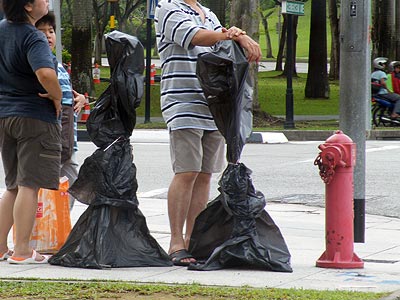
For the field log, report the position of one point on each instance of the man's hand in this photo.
(233, 32)
(252, 48)
(79, 101)
(56, 102)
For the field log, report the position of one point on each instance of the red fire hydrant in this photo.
(336, 163)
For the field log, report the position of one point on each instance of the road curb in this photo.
(291, 135)
(392, 296)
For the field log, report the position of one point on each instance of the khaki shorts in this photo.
(31, 152)
(196, 150)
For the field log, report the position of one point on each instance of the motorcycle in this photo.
(381, 112)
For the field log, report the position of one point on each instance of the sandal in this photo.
(6, 254)
(178, 256)
(30, 260)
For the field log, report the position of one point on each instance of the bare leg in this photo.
(24, 217)
(6, 217)
(179, 197)
(200, 197)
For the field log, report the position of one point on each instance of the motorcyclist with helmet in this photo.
(393, 82)
(379, 77)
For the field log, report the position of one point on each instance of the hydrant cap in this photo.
(339, 137)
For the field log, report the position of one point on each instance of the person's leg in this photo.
(8, 147)
(38, 165)
(6, 217)
(395, 98)
(186, 158)
(213, 161)
(179, 197)
(200, 197)
(70, 169)
(24, 217)
(396, 108)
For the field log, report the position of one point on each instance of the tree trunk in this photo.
(81, 50)
(317, 85)
(397, 28)
(335, 45)
(219, 8)
(383, 24)
(100, 12)
(245, 15)
(264, 20)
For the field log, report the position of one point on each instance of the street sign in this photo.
(151, 7)
(293, 7)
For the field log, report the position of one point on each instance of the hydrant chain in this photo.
(326, 171)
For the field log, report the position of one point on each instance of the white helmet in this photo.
(394, 64)
(380, 62)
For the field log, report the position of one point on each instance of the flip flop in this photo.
(6, 254)
(178, 256)
(29, 260)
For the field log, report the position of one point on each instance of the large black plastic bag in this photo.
(223, 76)
(112, 232)
(234, 230)
(114, 114)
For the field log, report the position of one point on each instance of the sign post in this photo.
(151, 7)
(290, 8)
(293, 7)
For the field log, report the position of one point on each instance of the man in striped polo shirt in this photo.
(184, 29)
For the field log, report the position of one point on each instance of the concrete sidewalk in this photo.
(303, 230)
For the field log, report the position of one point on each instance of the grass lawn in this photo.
(272, 95)
(52, 290)
(272, 98)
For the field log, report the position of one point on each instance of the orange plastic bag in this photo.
(53, 222)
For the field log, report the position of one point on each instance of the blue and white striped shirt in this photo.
(65, 83)
(183, 103)
(68, 97)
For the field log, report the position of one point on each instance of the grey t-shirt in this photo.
(23, 50)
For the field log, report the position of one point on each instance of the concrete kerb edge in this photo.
(393, 296)
(293, 135)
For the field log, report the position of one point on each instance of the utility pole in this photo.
(355, 94)
(54, 5)
(151, 7)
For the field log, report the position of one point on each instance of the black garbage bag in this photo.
(112, 232)
(114, 113)
(223, 75)
(234, 230)
(106, 236)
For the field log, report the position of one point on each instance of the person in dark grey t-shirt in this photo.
(30, 133)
